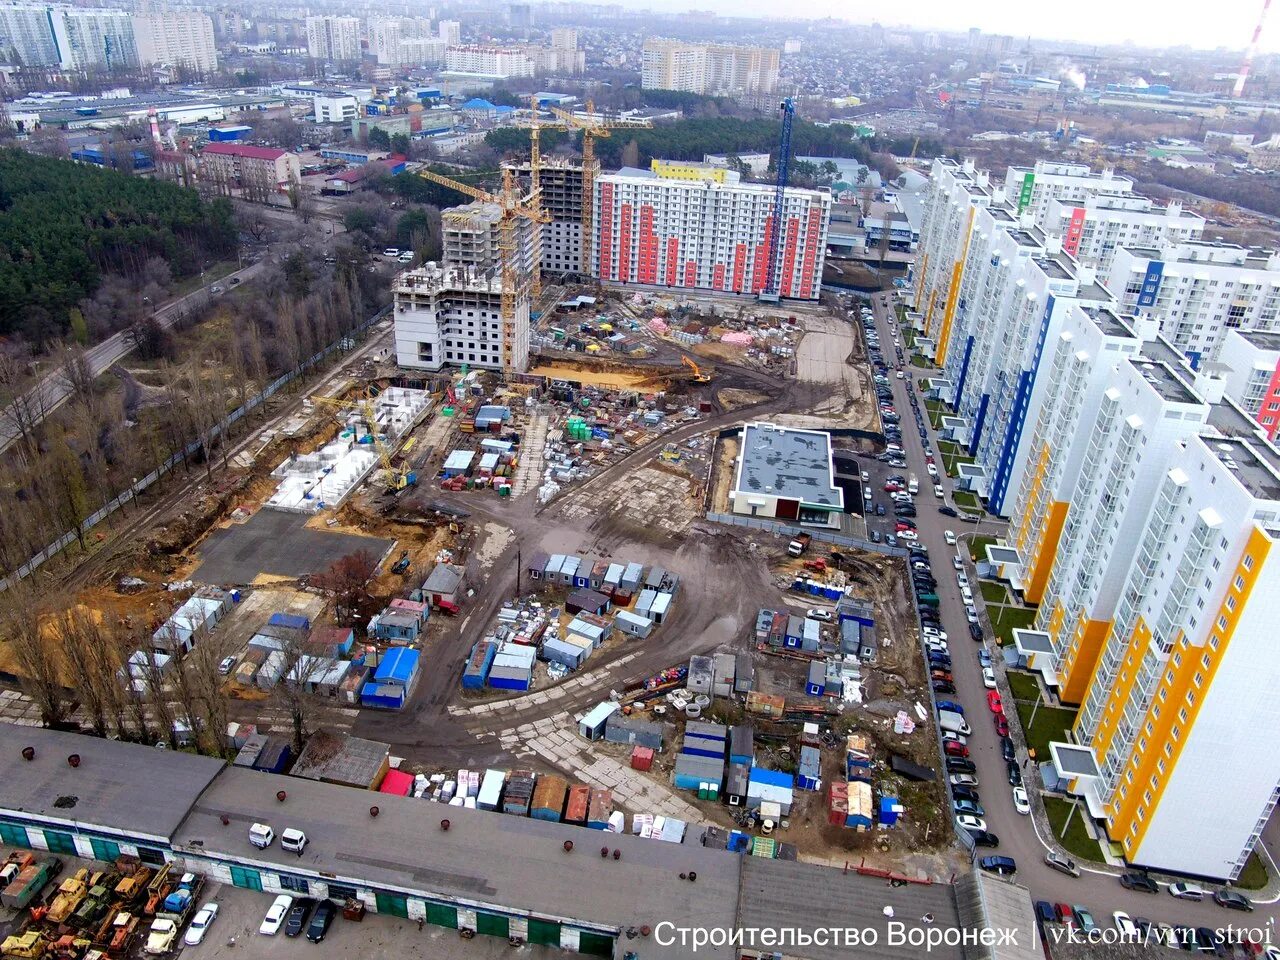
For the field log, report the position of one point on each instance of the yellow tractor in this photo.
(29, 946)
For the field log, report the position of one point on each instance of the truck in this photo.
(953, 722)
(799, 544)
(177, 906)
(161, 936)
(30, 880)
(29, 946)
(70, 893)
(133, 884)
(931, 599)
(913, 485)
(94, 906)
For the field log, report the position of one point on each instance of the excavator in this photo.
(698, 375)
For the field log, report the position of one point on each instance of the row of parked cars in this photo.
(294, 915)
(1139, 930)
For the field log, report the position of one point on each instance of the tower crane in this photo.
(396, 479)
(788, 109)
(592, 126)
(514, 207)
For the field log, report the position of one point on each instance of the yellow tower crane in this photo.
(395, 479)
(514, 208)
(592, 126)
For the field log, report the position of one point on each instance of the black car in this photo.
(965, 793)
(939, 661)
(984, 838)
(1137, 880)
(1007, 751)
(1232, 900)
(942, 686)
(296, 920)
(320, 921)
(879, 509)
(975, 631)
(948, 511)
(960, 765)
(1015, 774)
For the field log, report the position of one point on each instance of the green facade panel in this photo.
(544, 931)
(492, 925)
(442, 915)
(595, 944)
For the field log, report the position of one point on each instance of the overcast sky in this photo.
(1198, 23)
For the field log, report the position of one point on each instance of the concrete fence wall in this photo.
(790, 530)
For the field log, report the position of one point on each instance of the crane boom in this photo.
(788, 109)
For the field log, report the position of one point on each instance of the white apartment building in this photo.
(26, 34)
(1094, 229)
(333, 38)
(330, 108)
(72, 38)
(447, 316)
(450, 32)
(176, 40)
(490, 61)
(668, 64)
(1181, 714)
(707, 236)
(1029, 189)
(564, 38)
(1198, 291)
(1249, 362)
(387, 36)
(422, 51)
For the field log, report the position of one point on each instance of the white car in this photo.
(989, 678)
(968, 822)
(932, 469)
(957, 562)
(962, 579)
(949, 536)
(200, 924)
(963, 780)
(971, 613)
(1020, 801)
(967, 595)
(866, 477)
(937, 490)
(274, 919)
(933, 634)
(899, 374)
(908, 535)
(391, 252)
(1128, 930)
(816, 614)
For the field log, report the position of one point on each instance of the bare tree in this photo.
(39, 656)
(91, 663)
(25, 396)
(347, 578)
(292, 692)
(77, 374)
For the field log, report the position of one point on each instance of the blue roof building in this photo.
(393, 681)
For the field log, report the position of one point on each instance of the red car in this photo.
(942, 675)
(1065, 914)
(953, 749)
(891, 488)
(994, 701)
(1002, 725)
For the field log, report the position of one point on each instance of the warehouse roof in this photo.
(792, 464)
(405, 849)
(118, 786)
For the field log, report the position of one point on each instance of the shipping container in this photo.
(477, 669)
(549, 798)
(629, 730)
(765, 704)
(742, 748)
(592, 725)
(31, 879)
(578, 803)
(519, 793)
(698, 746)
(491, 790)
(725, 666)
(694, 772)
(838, 804)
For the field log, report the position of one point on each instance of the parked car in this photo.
(960, 765)
(1233, 900)
(994, 703)
(975, 631)
(1085, 919)
(963, 780)
(965, 793)
(296, 921)
(1065, 914)
(200, 924)
(948, 511)
(1045, 912)
(225, 665)
(1020, 801)
(1004, 866)
(1061, 863)
(1186, 891)
(968, 807)
(968, 822)
(953, 749)
(276, 914)
(320, 921)
(943, 686)
(1015, 774)
(1124, 923)
(950, 705)
(984, 838)
(949, 536)
(815, 614)
(1007, 750)
(989, 681)
(984, 657)
(1139, 880)
(1002, 725)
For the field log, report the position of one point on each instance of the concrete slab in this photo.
(276, 544)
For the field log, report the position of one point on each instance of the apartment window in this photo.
(1231, 604)
(1238, 583)
(1248, 557)
(1222, 623)
(1182, 716)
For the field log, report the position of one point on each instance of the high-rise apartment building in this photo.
(711, 68)
(471, 236)
(73, 38)
(564, 38)
(387, 36)
(561, 182)
(1249, 362)
(490, 61)
(26, 35)
(333, 38)
(707, 236)
(176, 39)
(450, 32)
(1093, 230)
(1198, 291)
(447, 315)
(1030, 189)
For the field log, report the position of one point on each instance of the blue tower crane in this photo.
(788, 109)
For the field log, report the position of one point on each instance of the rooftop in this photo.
(1053, 268)
(986, 900)
(1247, 463)
(1263, 340)
(1109, 322)
(405, 849)
(434, 277)
(1165, 381)
(339, 759)
(119, 786)
(245, 150)
(787, 463)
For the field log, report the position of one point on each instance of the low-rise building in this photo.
(787, 474)
(240, 165)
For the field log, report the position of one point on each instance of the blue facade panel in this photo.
(1151, 284)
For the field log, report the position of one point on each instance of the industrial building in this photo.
(561, 182)
(701, 235)
(1249, 361)
(1198, 291)
(707, 68)
(448, 315)
(176, 39)
(238, 164)
(787, 474)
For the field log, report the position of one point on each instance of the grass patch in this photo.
(978, 547)
(1254, 874)
(1077, 841)
(934, 409)
(964, 498)
(1051, 723)
(993, 592)
(919, 361)
(1004, 620)
(1023, 686)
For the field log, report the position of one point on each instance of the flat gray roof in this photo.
(780, 893)
(781, 462)
(1032, 641)
(134, 789)
(1109, 322)
(509, 864)
(1053, 268)
(330, 756)
(995, 903)
(1073, 761)
(1262, 339)
(1246, 463)
(1165, 381)
(1003, 554)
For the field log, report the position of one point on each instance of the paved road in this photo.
(1100, 891)
(53, 391)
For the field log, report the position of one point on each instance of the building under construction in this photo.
(561, 198)
(448, 315)
(472, 237)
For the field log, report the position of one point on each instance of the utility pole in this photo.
(519, 572)
(1071, 813)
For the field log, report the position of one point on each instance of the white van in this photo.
(295, 841)
(261, 835)
(953, 722)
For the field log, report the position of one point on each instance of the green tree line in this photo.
(63, 226)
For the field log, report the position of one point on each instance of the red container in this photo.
(641, 758)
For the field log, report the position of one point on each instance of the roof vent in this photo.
(73, 760)
(28, 753)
